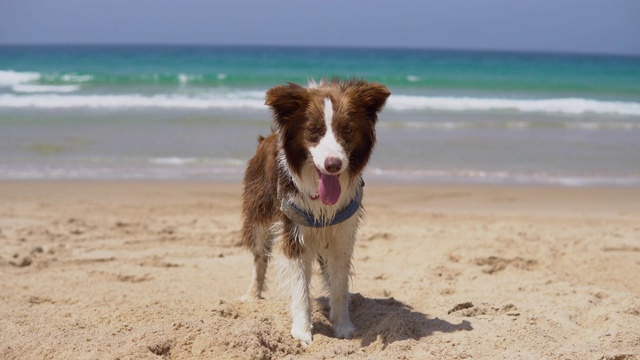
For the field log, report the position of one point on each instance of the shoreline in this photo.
(141, 269)
(532, 195)
(375, 179)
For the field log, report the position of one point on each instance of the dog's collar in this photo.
(301, 217)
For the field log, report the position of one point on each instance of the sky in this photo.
(583, 26)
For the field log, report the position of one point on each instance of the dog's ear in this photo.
(372, 97)
(286, 99)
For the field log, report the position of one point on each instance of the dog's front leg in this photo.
(298, 271)
(337, 271)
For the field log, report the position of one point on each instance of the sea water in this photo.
(191, 112)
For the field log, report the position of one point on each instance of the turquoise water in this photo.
(514, 74)
(194, 112)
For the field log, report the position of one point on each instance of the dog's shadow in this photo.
(388, 319)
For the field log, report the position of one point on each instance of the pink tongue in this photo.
(329, 189)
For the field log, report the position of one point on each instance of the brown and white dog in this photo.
(303, 191)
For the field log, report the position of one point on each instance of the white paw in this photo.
(344, 330)
(250, 297)
(303, 334)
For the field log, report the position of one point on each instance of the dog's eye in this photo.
(314, 129)
(347, 129)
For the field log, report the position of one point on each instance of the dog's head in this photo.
(330, 126)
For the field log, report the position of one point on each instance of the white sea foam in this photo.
(28, 88)
(173, 161)
(413, 78)
(518, 124)
(54, 101)
(190, 168)
(183, 161)
(513, 125)
(442, 125)
(10, 77)
(75, 78)
(499, 177)
(255, 100)
(562, 106)
(186, 78)
(119, 173)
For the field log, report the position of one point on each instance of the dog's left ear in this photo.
(285, 100)
(372, 96)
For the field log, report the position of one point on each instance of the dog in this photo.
(303, 190)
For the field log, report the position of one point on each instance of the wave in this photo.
(413, 78)
(513, 125)
(35, 82)
(574, 106)
(130, 101)
(71, 78)
(162, 168)
(177, 161)
(185, 161)
(10, 77)
(255, 100)
(186, 78)
(207, 168)
(28, 88)
(502, 177)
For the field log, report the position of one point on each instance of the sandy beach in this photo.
(147, 270)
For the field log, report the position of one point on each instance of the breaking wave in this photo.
(255, 100)
(562, 105)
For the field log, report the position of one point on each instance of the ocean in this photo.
(194, 112)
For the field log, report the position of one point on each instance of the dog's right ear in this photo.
(286, 99)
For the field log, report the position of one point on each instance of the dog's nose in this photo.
(332, 164)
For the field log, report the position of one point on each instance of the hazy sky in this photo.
(600, 26)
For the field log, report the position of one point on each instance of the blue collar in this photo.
(304, 218)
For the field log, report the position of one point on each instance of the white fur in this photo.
(307, 184)
(335, 245)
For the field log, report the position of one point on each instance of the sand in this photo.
(147, 270)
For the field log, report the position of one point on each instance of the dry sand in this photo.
(152, 270)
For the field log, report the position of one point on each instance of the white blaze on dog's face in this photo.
(329, 158)
(329, 155)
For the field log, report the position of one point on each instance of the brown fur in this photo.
(283, 160)
(298, 115)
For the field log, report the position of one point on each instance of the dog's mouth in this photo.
(328, 188)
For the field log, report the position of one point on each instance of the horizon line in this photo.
(334, 47)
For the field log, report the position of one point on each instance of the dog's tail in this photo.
(261, 137)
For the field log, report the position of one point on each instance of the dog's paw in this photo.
(344, 330)
(302, 334)
(250, 297)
